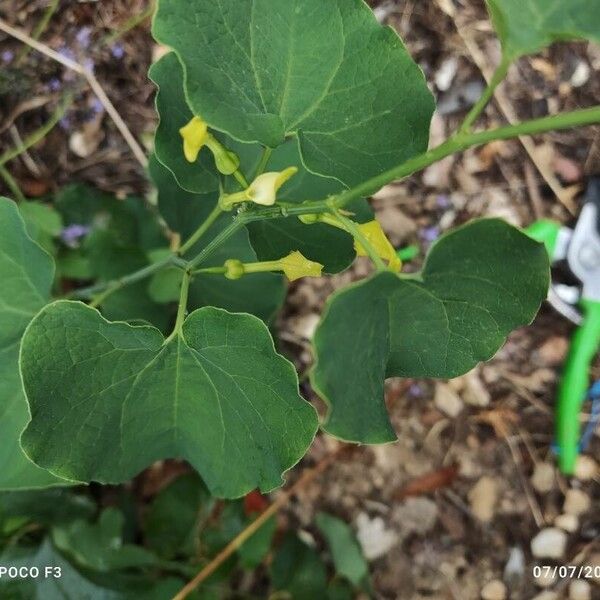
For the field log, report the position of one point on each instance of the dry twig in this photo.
(92, 81)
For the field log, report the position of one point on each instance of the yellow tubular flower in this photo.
(263, 190)
(195, 135)
(375, 235)
(295, 266)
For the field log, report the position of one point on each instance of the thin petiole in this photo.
(212, 217)
(497, 78)
(183, 300)
(264, 161)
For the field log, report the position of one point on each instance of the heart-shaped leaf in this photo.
(26, 273)
(527, 26)
(325, 72)
(480, 282)
(108, 399)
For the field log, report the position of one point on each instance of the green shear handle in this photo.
(574, 385)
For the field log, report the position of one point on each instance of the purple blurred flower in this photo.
(97, 106)
(7, 56)
(88, 65)
(66, 52)
(65, 123)
(430, 234)
(415, 390)
(118, 51)
(72, 234)
(83, 36)
(443, 201)
(54, 84)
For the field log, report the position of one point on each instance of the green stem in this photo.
(239, 177)
(352, 228)
(210, 271)
(12, 185)
(497, 78)
(183, 300)
(204, 227)
(38, 30)
(38, 134)
(460, 142)
(264, 161)
(115, 284)
(223, 236)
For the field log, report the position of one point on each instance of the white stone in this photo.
(580, 589)
(550, 542)
(375, 540)
(567, 522)
(483, 496)
(447, 400)
(547, 595)
(586, 468)
(543, 478)
(494, 590)
(577, 502)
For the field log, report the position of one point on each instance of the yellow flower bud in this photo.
(194, 134)
(295, 266)
(375, 235)
(263, 190)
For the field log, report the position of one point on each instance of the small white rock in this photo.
(577, 502)
(580, 589)
(569, 523)
(586, 468)
(483, 497)
(447, 400)
(375, 540)
(549, 543)
(494, 590)
(547, 595)
(476, 393)
(581, 74)
(543, 478)
(446, 73)
(546, 579)
(515, 567)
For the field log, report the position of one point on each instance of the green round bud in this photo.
(234, 268)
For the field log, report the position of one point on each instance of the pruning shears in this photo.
(579, 247)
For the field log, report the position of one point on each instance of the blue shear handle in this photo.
(574, 385)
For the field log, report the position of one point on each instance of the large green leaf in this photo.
(324, 71)
(480, 282)
(527, 26)
(260, 294)
(108, 399)
(26, 273)
(271, 239)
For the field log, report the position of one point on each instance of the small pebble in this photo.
(483, 497)
(547, 595)
(569, 523)
(549, 543)
(580, 589)
(515, 567)
(447, 400)
(494, 590)
(543, 478)
(586, 468)
(577, 502)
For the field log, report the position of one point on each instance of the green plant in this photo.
(291, 113)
